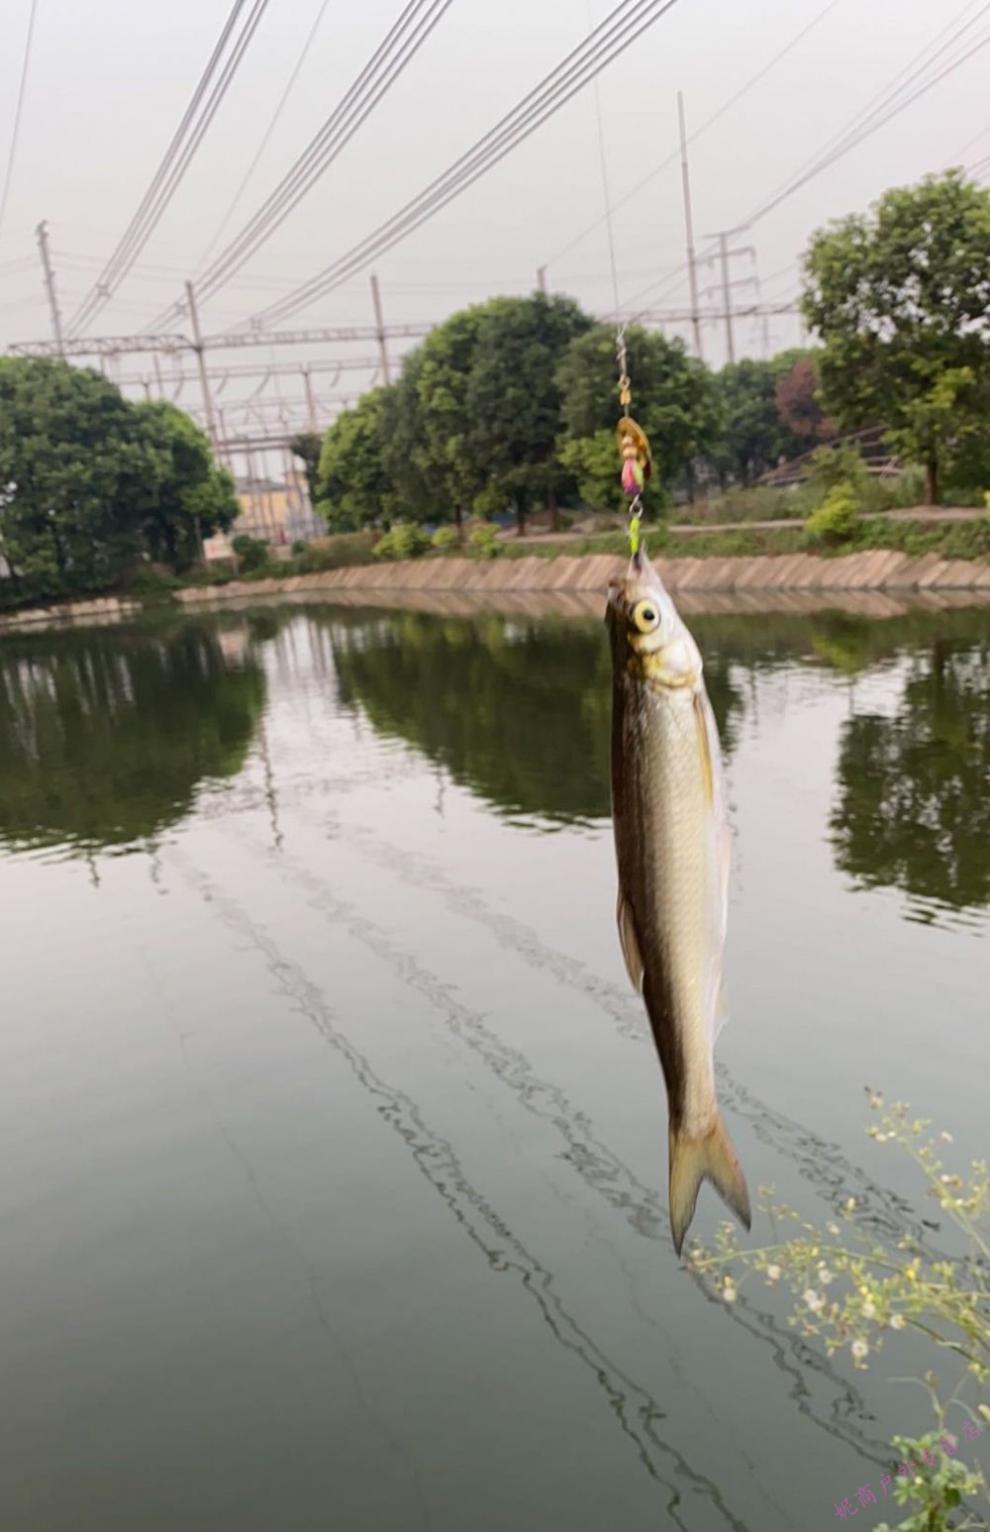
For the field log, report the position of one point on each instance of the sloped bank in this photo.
(874, 570)
(796, 581)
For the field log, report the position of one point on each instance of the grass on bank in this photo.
(950, 540)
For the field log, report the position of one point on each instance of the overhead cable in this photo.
(177, 158)
(390, 59)
(18, 111)
(619, 30)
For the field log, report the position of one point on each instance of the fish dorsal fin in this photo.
(630, 943)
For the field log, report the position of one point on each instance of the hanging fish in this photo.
(672, 848)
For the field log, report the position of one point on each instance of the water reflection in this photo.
(517, 710)
(913, 809)
(105, 735)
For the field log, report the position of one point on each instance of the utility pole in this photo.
(380, 328)
(158, 375)
(310, 401)
(723, 252)
(689, 230)
(204, 377)
(541, 279)
(46, 266)
(211, 425)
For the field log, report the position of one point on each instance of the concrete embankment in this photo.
(878, 569)
(876, 582)
(96, 610)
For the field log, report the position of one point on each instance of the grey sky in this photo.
(109, 80)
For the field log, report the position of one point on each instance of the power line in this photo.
(626, 23)
(877, 118)
(693, 137)
(387, 63)
(18, 109)
(178, 157)
(888, 92)
(266, 136)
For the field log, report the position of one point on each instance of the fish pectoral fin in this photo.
(630, 943)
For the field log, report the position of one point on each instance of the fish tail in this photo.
(695, 1159)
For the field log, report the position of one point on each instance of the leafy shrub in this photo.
(299, 547)
(837, 468)
(252, 552)
(403, 541)
(483, 541)
(835, 519)
(445, 538)
(152, 580)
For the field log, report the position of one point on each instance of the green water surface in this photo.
(332, 1139)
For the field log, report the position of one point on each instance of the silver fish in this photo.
(672, 848)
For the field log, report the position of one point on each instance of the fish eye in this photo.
(645, 616)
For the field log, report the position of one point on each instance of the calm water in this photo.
(333, 1141)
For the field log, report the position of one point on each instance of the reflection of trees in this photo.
(105, 736)
(914, 807)
(517, 710)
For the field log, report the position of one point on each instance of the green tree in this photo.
(751, 439)
(307, 447)
(513, 400)
(674, 400)
(438, 376)
(355, 488)
(188, 496)
(75, 466)
(900, 298)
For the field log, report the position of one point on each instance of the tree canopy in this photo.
(900, 298)
(91, 484)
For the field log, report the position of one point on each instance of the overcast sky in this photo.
(109, 80)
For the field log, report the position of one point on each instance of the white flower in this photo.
(729, 1292)
(850, 1204)
(859, 1350)
(946, 1138)
(773, 1273)
(833, 1228)
(814, 1300)
(869, 1309)
(897, 1321)
(876, 1100)
(825, 1276)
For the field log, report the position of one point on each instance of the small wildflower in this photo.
(833, 1228)
(947, 1138)
(729, 1292)
(773, 1273)
(850, 1204)
(825, 1276)
(897, 1321)
(869, 1309)
(814, 1301)
(859, 1349)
